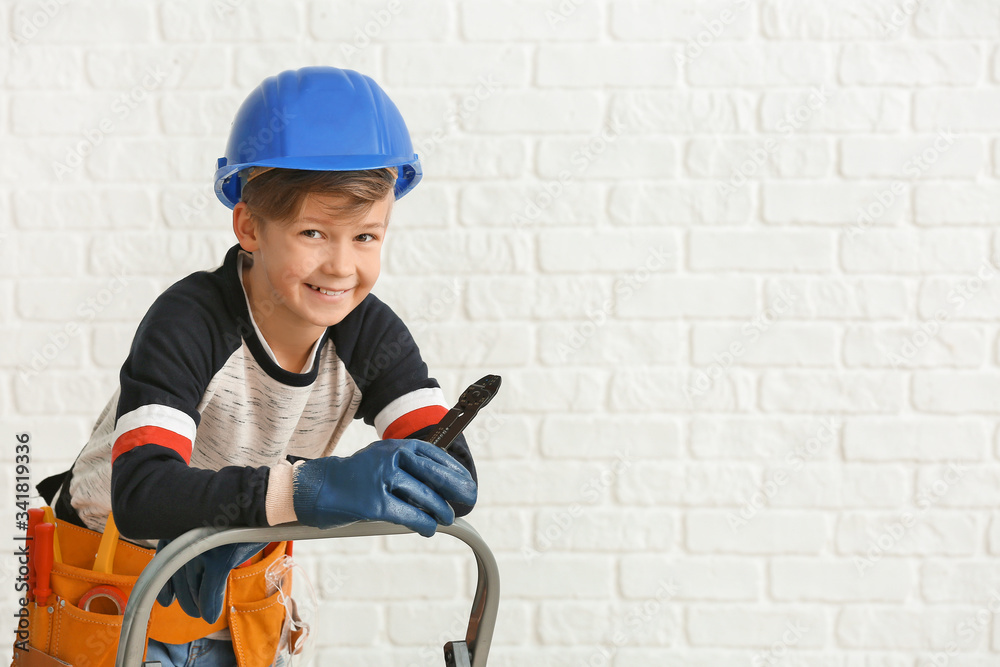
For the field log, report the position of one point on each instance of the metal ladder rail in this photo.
(482, 618)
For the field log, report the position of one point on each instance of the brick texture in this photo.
(737, 262)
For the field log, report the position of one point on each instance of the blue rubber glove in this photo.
(402, 481)
(200, 586)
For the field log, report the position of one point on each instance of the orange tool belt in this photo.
(57, 627)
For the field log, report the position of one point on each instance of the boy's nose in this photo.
(338, 260)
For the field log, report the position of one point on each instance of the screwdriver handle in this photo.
(44, 533)
(35, 515)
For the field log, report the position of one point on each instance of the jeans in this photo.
(199, 653)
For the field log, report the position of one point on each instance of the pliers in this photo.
(472, 399)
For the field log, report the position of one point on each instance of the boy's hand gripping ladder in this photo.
(472, 652)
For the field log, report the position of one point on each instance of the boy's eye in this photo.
(362, 237)
(311, 233)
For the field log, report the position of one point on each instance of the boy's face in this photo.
(315, 269)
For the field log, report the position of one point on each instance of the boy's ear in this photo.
(245, 228)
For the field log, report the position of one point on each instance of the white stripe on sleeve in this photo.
(171, 419)
(420, 398)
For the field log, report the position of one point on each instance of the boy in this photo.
(240, 381)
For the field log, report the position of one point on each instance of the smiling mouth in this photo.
(326, 291)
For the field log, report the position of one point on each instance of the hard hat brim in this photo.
(410, 172)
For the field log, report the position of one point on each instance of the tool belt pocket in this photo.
(84, 638)
(71, 635)
(256, 610)
(59, 627)
(252, 626)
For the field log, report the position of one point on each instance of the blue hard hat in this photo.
(321, 119)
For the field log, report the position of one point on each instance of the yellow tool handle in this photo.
(106, 552)
(50, 517)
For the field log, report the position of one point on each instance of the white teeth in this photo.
(320, 289)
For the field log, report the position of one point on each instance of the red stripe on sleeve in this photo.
(145, 435)
(413, 421)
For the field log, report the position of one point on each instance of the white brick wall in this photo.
(731, 258)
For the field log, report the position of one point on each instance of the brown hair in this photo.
(277, 195)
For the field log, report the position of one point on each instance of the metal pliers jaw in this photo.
(469, 403)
